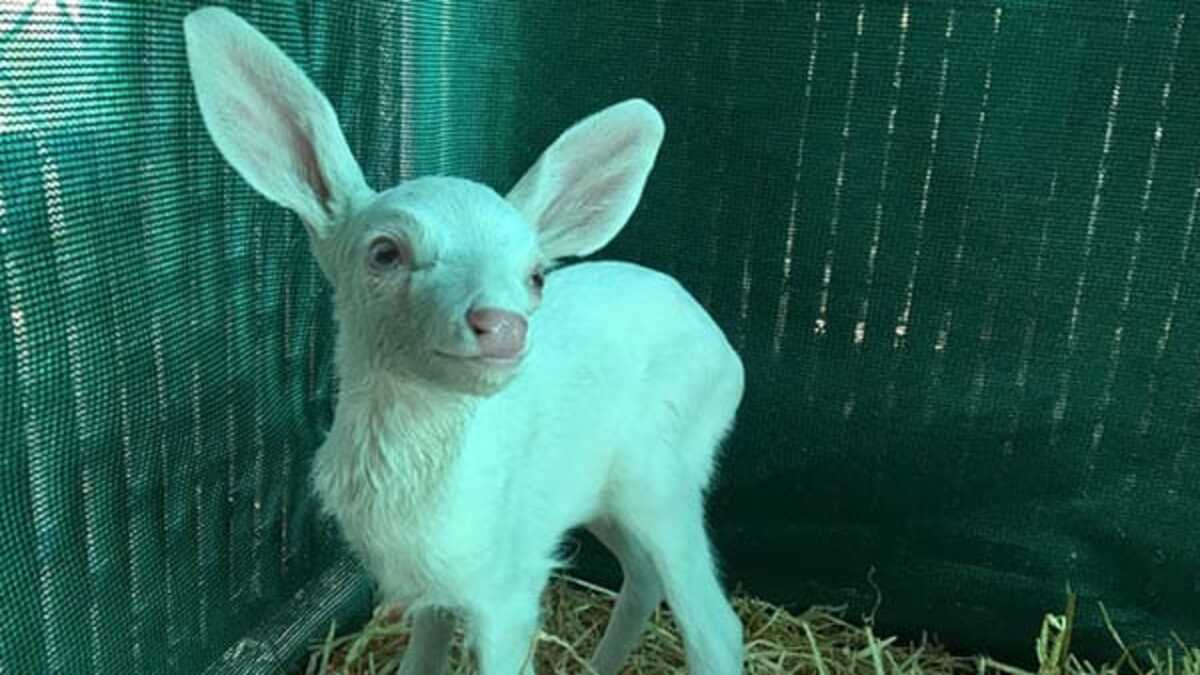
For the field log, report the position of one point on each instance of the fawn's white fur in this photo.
(455, 475)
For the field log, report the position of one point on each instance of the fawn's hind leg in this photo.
(679, 547)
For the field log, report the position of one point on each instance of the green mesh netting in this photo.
(952, 240)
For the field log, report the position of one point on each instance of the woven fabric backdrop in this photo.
(953, 241)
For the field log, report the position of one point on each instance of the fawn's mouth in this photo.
(492, 362)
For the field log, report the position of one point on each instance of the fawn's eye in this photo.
(537, 279)
(386, 253)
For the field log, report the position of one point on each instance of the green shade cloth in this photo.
(953, 241)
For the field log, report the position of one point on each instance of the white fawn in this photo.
(486, 408)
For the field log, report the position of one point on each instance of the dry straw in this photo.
(818, 642)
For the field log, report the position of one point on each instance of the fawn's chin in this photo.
(479, 362)
(477, 375)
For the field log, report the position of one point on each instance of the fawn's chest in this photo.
(407, 506)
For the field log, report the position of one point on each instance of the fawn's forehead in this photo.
(452, 214)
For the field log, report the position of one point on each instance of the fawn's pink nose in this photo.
(499, 334)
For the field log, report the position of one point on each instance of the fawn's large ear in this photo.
(584, 187)
(269, 121)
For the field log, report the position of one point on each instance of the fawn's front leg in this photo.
(429, 643)
(504, 634)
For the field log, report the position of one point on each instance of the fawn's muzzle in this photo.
(500, 334)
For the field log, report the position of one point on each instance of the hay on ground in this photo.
(819, 641)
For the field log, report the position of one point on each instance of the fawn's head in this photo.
(435, 278)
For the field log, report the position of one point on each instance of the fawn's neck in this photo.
(392, 436)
